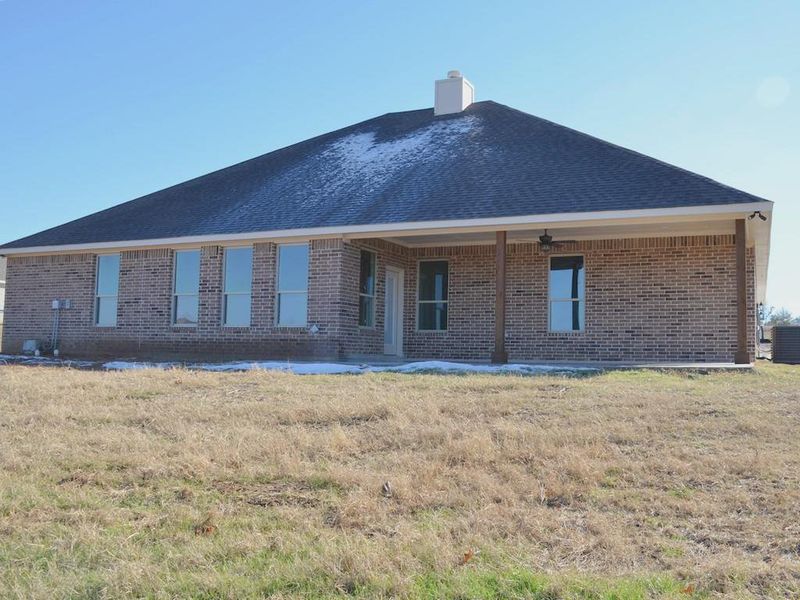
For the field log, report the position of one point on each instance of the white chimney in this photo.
(453, 94)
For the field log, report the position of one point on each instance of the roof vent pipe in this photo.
(453, 95)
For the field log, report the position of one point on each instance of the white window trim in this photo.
(418, 301)
(176, 295)
(374, 294)
(98, 296)
(224, 307)
(551, 300)
(279, 292)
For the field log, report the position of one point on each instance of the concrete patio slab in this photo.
(368, 366)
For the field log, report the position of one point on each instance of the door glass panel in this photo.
(390, 308)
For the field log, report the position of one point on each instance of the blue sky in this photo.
(101, 102)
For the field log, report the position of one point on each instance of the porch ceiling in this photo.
(695, 227)
(758, 235)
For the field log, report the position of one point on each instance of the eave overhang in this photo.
(758, 232)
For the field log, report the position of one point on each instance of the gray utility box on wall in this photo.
(786, 344)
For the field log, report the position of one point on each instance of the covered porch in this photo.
(665, 289)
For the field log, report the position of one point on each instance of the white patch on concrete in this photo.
(324, 368)
(296, 368)
(123, 365)
(23, 359)
(451, 367)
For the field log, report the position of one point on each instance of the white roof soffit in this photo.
(551, 221)
(759, 234)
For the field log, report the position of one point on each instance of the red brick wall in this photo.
(144, 306)
(33, 282)
(660, 299)
(365, 341)
(646, 299)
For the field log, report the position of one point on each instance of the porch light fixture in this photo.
(546, 242)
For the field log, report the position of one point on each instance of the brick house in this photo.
(2, 296)
(468, 231)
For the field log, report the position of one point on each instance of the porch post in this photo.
(742, 356)
(500, 355)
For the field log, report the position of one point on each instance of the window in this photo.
(366, 290)
(292, 285)
(2, 287)
(238, 280)
(567, 281)
(432, 304)
(107, 286)
(185, 288)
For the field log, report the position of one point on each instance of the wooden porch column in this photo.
(742, 355)
(500, 355)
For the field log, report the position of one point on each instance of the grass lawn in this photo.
(173, 484)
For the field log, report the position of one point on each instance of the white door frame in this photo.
(399, 305)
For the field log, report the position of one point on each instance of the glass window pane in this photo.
(107, 274)
(292, 310)
(107, 311)
(293, 268)
(367, 279)
(433, 280)
(566, 316)
(433, 315)
(237, 310)
(186, 310)
(187, 272)
(238, 269)
(366, 313)
(566, 277)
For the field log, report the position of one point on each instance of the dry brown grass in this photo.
(177, 484)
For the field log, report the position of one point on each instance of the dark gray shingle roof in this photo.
(489, 161)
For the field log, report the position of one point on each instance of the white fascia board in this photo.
(759, 234)
(554, 220)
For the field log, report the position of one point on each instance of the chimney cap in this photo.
(454, 74)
